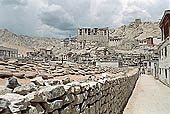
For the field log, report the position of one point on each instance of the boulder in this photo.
(4, 91)
(6, 111)
(58, 74)
(20, 64)
(76, 109)
(51, 82)
(19, 75)
(10, 67)
(46, 76)
(83, 106)
(3, 63)
(66, 80)
(5, 74)
(55, 112)
(68, 98)
(66, 110)
(82, 72)
(76, 89)
(38, 107)
(79, 99)
(37, 81)
(3, 104)
(2, 67)
(30, 75)
(52, 68)
(59, 70)
(51, 106)
(12, 61)
(32, 110)
(17, 102)
(12, 83)
(52, 92)
(36, 97)
(25, 89)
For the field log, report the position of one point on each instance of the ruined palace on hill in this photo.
(100, 35)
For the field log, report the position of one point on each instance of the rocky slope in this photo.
(130, 34)
(138, 30)
(134, 32)
(24, 44)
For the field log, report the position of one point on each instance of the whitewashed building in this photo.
(164, 49)
(115, 41)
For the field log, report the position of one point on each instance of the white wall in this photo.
(112, 64)
(164, 63)
(114, 43)
(157, 41)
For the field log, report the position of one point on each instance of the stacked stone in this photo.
(105, 96)
(49, 70)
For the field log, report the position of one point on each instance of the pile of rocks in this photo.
(49, 70)
(103, 96)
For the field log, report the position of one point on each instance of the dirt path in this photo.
(149, 97)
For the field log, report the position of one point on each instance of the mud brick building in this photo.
(8, 53)
(101, 35)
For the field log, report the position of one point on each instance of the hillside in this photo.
(24, 44)
(130, 34)
(137, 30)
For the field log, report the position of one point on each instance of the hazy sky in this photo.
(59, 18)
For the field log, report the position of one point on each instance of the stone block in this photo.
(68, 98)
(52, 92)
(17, 102)
(51, 106)
(25, 89)
(78, 99)
(36, 97)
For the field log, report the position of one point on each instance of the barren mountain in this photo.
(138, 30)
(130, 33)
(24, 44)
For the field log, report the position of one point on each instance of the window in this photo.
(160, 71)
(165, 51)
(80, 31)
(95, 31)
(88, 31)
(159, 54)
(105, 33)
(149, 63)
(166, 73)
(166, 31)
(85, 30)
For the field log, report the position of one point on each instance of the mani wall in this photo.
(105, 96)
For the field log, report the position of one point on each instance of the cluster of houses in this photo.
(163, 66)
(8, 53)
(159, 64)
(154, 58)
(88, 42)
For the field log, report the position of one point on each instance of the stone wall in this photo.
(104, 96)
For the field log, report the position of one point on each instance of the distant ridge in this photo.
(24, 43)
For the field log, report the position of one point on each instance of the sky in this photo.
(61, 18)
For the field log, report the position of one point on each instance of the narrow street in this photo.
(149, 97)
